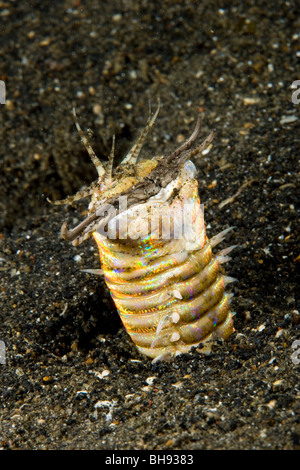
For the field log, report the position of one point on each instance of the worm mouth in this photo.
(166, 171)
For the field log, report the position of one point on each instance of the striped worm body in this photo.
(157, 261)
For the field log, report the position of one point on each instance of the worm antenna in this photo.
(97, 163)
(133, 155)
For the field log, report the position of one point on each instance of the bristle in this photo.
(98, 272)
(222, 255)
(175, 337)
(229, 279)
(97, 163)
(223, 259)
(177, 294)
(160, 341)
(214, 241)
(165, 321)
(227, 250)
(165, 356)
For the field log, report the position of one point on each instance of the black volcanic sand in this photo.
(72, 379)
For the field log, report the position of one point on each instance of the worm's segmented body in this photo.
(157, 261)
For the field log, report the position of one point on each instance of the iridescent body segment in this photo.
(156, 259)
(169, 293)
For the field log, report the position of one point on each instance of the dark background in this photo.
(72, 378)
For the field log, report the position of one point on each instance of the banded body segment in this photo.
(170, 294)
(203, 311)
